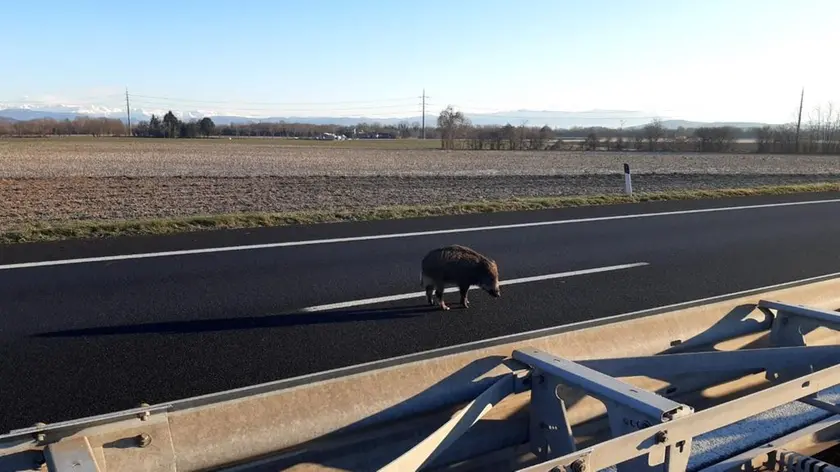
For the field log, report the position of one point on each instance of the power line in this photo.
(187, 100)
(385, 108)
(269, 109)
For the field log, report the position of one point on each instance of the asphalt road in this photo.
(88, 338)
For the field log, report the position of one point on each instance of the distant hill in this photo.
(22, 114)
(554, 119)
(674, 124)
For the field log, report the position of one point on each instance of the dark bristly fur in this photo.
(459, 266)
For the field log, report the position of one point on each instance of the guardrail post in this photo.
(549, 430)
(629, 409)
(790, 325)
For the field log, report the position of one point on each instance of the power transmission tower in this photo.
(128, 112)
(423, 117)
(799, 120)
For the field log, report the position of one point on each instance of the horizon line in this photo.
(545, 115)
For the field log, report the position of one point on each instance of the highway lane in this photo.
(210, 239)
(89, 338)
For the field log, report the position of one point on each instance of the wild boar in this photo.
(458, 266)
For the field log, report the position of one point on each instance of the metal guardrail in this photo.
(651, 432)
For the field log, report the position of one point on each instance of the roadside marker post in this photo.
(628, 183)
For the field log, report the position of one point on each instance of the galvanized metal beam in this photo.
(549, 429)
(716, 361)
(811, 439)
(829, 407)
(427, 450)
(70, 426)
(789, 461)
(600, 385)
(824, 316)
(674, 436)
(793, 322)
(71, 455)
(629, 408)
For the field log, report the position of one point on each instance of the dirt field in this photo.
(84, 198)
(56, 180)
(80, 157)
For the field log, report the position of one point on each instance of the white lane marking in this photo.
(404, 296)
(122, 257)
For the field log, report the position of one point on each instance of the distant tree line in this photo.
(819, 133)
(52, 127)
(171, 127)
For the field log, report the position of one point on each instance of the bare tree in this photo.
(653, 132)
(592, 141)
(715, 139)
(451, 123)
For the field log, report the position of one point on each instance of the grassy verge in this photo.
(102, 229)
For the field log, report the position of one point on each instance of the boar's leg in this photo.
(429, 290)
(464, 290)
(439, 295)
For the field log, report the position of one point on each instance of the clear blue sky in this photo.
(713, 59)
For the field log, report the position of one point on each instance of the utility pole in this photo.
(423, 117)
(128, 112)
(799, 120)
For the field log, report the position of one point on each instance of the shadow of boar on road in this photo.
(250, 322)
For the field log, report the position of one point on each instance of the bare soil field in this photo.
(109, 157)
(54, 181)
(58, 200)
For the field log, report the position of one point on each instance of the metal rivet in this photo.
(579, 465)
(41, 436)
(144, 415)
(661, 436)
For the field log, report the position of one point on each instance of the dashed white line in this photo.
(122, 257)
(405, 296)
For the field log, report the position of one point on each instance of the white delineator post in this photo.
(628, 183)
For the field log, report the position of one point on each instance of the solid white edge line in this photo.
(183, 252)
(404, 296)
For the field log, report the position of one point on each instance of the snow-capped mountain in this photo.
(554, 119)
(61, 112)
